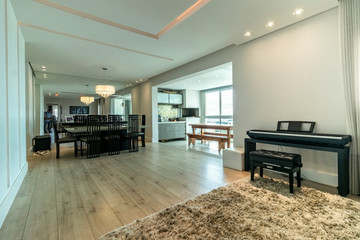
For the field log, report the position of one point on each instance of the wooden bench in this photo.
(220, 139)
(218, 134)
(289, 163)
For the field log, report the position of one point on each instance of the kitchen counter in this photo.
(171, 130)
(171, 122)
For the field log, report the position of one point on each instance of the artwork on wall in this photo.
(79, 110)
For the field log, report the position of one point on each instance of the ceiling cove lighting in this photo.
(247, 34)
(105, 90)
(87, 100)
(269, 24)
(298, 12)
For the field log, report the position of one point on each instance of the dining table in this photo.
(82, 130)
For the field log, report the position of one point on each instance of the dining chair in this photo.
(113, 135)
(80, 119)
(92, 138)
(133, 133)
(103, 118)
(59, 141)
(142, 132)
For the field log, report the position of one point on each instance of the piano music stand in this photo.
(295, 126)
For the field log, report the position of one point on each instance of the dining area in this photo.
(94, 135)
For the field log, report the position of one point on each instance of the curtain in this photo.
(349, 23)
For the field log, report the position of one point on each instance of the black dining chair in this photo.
(133, 133)
(103, 118)
(81, 119)
(59, 141)
(142, 132)
(92, 138)
(113, 135)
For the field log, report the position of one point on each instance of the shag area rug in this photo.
(263, 209)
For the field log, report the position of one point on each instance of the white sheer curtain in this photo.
(349, 22)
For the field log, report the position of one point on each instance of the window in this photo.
(219, 106)
(212, 104)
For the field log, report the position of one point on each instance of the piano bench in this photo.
(289, 163)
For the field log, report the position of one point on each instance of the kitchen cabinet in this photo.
(170, 98)
(176, 98)
(191, 99)
(163, 97)
(171, 130)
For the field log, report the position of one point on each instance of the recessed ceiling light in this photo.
(247, 34)
(140, 79)
(137, 81)
(269, 24)
(298, 12)
(45, 76)
(43, 67)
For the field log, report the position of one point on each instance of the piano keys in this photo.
(321, 139)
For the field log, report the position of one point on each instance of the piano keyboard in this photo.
(308, 138)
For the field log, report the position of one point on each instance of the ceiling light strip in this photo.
(191, 10)
(95, 18)
(94, 41)
(188, 12)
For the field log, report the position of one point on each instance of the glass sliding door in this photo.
(219, 106)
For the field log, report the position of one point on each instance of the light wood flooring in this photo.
(209, 147)
(79, 198)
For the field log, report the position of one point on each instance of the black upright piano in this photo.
(300, 135)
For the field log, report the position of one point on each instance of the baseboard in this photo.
(10, 197)
(323, 178)
(320, 177)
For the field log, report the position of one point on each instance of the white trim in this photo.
(7, 95)
(19, 94)
(10, 196)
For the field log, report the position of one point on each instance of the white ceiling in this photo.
(138, 39)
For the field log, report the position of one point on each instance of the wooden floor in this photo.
(79, 198)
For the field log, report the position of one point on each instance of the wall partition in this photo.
(13, 165)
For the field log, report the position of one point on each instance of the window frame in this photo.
(220, 117)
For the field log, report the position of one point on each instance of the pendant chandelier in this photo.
(87, 100)
(105, 90)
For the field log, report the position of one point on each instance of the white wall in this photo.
(13, 165)
(291, 74)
